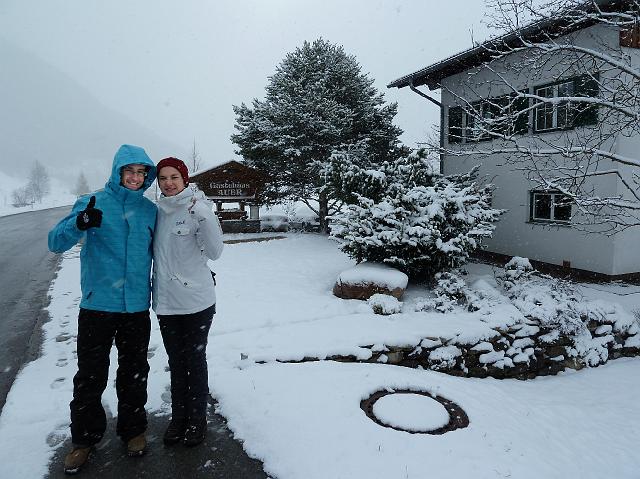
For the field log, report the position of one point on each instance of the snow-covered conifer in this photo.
(410, 216)
(318, 101)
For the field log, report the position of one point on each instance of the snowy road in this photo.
(27, 269)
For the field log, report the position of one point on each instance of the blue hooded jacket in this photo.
(115, 260)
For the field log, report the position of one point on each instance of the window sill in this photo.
(564, 224)
(554, 130)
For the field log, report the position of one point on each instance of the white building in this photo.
(540, 223)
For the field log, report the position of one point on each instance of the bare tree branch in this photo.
(554, 106)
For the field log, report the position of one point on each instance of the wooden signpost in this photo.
(235, 183)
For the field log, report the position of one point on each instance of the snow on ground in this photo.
(303, 420)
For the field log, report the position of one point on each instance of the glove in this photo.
(90, 217)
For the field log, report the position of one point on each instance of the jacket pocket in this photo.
(187, 283)
(181, 230)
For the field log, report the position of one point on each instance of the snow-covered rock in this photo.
(366, 279)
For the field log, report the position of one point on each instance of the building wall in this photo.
(515, 235)
(627, 244)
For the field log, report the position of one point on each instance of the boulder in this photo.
(366, 279)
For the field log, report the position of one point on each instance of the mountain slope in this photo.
(47, 116)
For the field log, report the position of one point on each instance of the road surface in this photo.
(26, 270)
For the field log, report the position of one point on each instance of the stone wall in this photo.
(523, 352)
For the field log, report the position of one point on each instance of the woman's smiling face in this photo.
(170, 181)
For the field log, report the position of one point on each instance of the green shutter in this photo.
(498, 111)
(521, 112)
(455, 124)
(585, 113)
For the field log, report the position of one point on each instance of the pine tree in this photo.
(317, 102)
(82, 186)
(410, 216)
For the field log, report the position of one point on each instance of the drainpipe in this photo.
(436, 102)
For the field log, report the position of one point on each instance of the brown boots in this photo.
(137, 446)
(79, 455)
(77, 458)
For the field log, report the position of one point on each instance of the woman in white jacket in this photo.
(187, 235)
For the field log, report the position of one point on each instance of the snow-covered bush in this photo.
(517, 270)
(450, 291)
(451, 285)
(553, 302)
(408, 215)
(384, 304)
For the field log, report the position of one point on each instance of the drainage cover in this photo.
(436, 420)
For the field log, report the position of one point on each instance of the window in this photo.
(485, 117)
(550, 206)
(567, 114)
(507, 114)
(552, 116)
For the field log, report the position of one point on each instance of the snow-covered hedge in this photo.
(410, 216)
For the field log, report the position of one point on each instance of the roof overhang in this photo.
(432, 75)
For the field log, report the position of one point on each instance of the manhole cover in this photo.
(434, 419)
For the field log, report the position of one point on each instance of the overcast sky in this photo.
(178, 67)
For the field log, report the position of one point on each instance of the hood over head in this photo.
(130, 155)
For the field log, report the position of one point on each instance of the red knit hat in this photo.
(178, 165)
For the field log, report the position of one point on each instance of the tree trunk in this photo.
(323, 211)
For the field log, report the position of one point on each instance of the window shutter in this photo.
(455, 124)
(496, 109)
(630, 36)
(521, 124)
(585, 114)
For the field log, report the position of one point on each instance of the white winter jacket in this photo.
(187, 235)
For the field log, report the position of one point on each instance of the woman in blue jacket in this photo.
(117, 225)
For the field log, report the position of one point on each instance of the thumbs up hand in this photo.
(90, 217)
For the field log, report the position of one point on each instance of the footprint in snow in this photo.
(58, 383)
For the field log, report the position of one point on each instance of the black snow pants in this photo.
(185, 340)
(97, 331)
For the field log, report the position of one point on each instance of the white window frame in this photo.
(552, 211)
(554, 91)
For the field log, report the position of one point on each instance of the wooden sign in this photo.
(231, 189)
(231, 181)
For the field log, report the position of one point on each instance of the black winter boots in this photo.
(195, 433)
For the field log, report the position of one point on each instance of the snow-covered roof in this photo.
(432, 75)
(199, 172)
